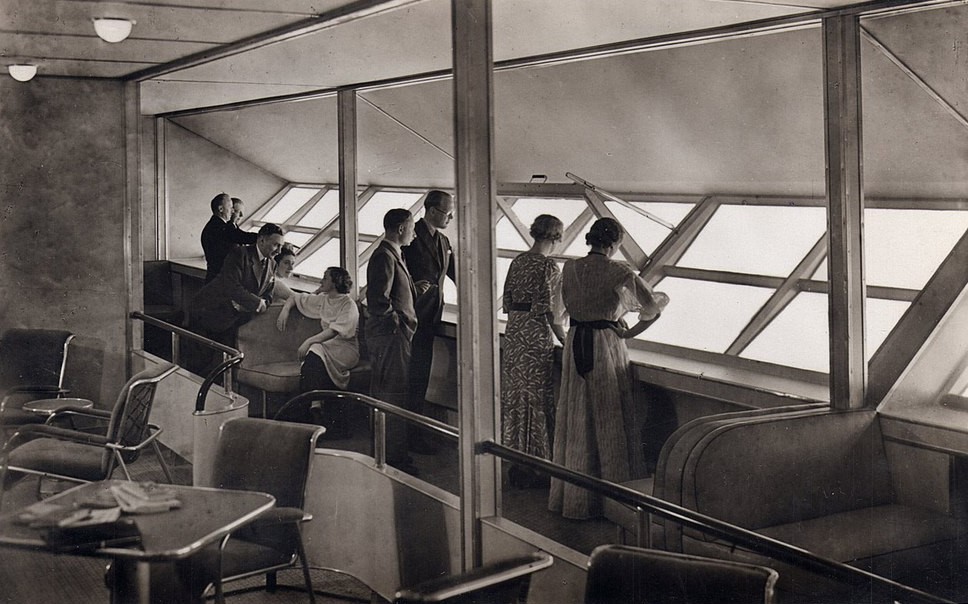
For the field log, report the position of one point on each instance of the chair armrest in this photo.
(488, 577)
(48, 431)
(281, 515)
(37, 389)
(71, 411)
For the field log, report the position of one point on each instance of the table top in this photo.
(47, 406)
(205, 516)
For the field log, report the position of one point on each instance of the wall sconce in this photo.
(113, 30)
(22, 73)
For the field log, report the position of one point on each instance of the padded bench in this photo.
(270, 363)
(819, 480)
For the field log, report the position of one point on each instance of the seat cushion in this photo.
(84, 462)
(272, 377)
(863, 533)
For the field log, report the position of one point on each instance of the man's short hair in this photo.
(218, 200)
(434, 198)
(269, 229)
(236, 201)
(395, 217)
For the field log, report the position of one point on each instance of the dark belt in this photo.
(583, 342)
(521, 306)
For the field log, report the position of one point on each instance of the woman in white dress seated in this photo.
(328, 356)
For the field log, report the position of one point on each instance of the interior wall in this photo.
(62, 148)
(197, 170)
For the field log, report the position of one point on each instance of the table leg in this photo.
(134, 582)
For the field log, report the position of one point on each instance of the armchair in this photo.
(32, 363)
(114, 439)
(500, 582)
(272, 457)
(619, 573)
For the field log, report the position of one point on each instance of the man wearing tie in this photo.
(390, 325)
(241, 289)
(430, 260)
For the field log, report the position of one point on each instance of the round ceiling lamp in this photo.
(112, 30)
(22, 73)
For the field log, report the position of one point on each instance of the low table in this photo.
(47, 406)
(147, 573)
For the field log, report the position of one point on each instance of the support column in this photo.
(845, 210)
(348, 224)
(477, 325)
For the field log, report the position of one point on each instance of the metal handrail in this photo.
(746, 538)
(230, 356)
(380, 409)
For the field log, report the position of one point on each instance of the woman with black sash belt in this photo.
(594, 428)
(532, 300)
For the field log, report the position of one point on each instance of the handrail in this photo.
(757, 542)
(744, 537)
(380, 409)
(235, 356)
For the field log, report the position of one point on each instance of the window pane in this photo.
(578, 247)
(317, 263)
(298, 239)
(566, 210)
(323, 211)
(703, 314)
(290, 202)
(646, 232)
(371, 215)
(797, 337)
(905, 247)
(881, 317)
(508, 237)
(762, 240)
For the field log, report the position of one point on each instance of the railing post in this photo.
(379, 438)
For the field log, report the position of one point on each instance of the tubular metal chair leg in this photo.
(161, 460)
(305, 569)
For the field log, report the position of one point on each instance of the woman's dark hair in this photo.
(604, 232)
(285, 251)
(546, 228)
(341, 279)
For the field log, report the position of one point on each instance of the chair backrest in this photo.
(265, 455)
(619, 574)
(33, 357)
(129, 418)
(502, 582)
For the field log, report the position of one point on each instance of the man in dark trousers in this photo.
(429, 259)
(390, 324)
(221, 234)
(242, 288)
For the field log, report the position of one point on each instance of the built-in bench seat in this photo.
(270, 364)
(819, 480)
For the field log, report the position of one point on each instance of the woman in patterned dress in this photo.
(532, 300)
(594, 431)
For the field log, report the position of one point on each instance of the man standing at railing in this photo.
(390, 325)
(430, 260)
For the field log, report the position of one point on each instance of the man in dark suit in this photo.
(221, 234)
(429, 259)
(241, 289)
(390, 325)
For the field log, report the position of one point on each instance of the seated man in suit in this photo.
(242, 288)
(222, 233)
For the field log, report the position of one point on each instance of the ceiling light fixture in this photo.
(22, 73)
(112, 30)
